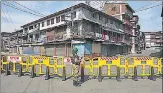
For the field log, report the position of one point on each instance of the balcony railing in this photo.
(32, 30)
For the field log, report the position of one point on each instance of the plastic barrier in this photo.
(142, 66)
(160, 66)
(4, 64)
(55, 66)
(40, 63)
(113, 67)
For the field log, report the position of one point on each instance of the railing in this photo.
(32, 30)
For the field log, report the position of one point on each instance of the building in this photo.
(90, 30)
(5, 41)
(123, 12)
(16, 40)
(136, 34)
(96, 31)
(142, 41)
(153, 39)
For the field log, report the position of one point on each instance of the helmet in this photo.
(75, 51)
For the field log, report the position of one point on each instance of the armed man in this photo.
(76, 61)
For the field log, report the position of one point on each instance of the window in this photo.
(73, 15)
(111, 21)
(26, 29)
(106, 20)
(100, 17)
(35, 25)
(38, 24)
(31, 27)
(58, 19)
(94, 15)
(62, 17)
(48, 22)
(114, 9)
(52, 21)
(42, 24)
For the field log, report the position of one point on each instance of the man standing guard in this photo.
(76, 66)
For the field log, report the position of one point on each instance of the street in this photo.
(24, 84)
(14, 84)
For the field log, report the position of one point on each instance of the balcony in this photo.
(33, 30)
(127, 22)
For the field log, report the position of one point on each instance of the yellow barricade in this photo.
(56, 65)
(25, 63)
(14, 63)
(87, 66)
(160, 66)
(95, 64)
(40, 63)
(4, 63)
(110, 66)
(143, 66)
(91, 66)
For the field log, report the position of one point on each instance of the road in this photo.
(24, 84)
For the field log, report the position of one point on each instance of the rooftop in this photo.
(69, 9)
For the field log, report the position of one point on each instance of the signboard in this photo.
(14, 59)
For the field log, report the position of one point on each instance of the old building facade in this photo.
(123, 12)
(153, 39)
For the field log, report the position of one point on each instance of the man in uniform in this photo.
(76, 66)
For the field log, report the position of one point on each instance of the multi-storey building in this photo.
(142, 41)
(136, 34)
(123, 12)
(5, 41)
(97, 32)
(16, 40)
(153, 39)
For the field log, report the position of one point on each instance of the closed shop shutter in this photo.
(60, 50)
(96, 48)
(28, 50)
(49, 50)
(104, 50)
(69, 51)
(43, 50)
(36, 50)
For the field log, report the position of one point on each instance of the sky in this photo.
(12, 19)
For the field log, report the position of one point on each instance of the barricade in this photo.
(12, 64)
(160, 66)
(4, 65)
(142, 67)
(113, 67)
(56, 67)
(40, 63)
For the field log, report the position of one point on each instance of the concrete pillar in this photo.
(133, 42)
(33, 38)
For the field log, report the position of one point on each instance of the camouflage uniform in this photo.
(76, 65)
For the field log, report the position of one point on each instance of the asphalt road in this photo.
(14, 84)
(24, 84)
